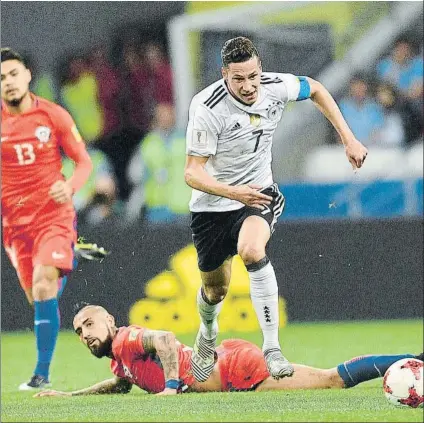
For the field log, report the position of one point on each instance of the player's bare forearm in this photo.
(83, 169)
(196, 177)
(324, 101)
(115, 385)
(163, 344)
(110, 386)
(355, 151)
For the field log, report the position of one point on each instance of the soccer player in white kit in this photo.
(235, 203)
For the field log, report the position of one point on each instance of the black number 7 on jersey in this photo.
(259, 133)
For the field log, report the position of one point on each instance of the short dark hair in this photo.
(403, 39)
(359, 76)
(408, 39)
(237, 50)
(80, 306)
(8, 54)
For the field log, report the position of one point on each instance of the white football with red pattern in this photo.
(403, 383)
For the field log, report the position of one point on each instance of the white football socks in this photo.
(208, 315)
(264, 294)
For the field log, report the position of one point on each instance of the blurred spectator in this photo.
(79, 95)
(404, 69)
(149, 82)
(137, 104)
(95, 202)
(103, 208)
(159, 73)
(108, 89)
(392, 132)
(134, 116)
(157, 171)
(362, 113)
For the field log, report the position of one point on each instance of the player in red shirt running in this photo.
(38, 217)
(157, 363)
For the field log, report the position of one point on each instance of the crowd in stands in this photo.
(385, 107)
(124, 110)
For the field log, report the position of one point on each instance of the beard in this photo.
(104, 349)
(15, 102)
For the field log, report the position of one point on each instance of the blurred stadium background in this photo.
(349, 246)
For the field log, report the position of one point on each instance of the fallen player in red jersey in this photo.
(157, 363)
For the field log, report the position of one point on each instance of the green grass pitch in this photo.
(316, 344)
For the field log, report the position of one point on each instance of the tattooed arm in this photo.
(164, 345)
(115, 385)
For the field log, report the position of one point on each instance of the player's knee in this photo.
(44, 285)
(215, 294)
(251, 253)
(45, 273)
(42, 290)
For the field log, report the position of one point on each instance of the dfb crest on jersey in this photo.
(255, 120)
(273, 113)
(43, 133)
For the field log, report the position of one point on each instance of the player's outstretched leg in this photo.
(204, 355)
(367, 367)
(264, 294)
(345, 375)
(304, 377)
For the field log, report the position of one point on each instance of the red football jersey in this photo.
(145, 370)
(31, 159)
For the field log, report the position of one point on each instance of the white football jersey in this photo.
(236, 138)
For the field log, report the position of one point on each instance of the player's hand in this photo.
(61, 192)
(168, 391)
(356, 153)
(250, 195)
(51, 393)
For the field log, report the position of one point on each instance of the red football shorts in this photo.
(49, 242)
(241, 364)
